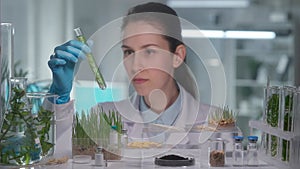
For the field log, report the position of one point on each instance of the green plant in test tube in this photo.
(272, 117)
(287, 122)
(91, 60)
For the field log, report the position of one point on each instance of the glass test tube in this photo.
(91, 60)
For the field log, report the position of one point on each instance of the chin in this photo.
(141, 91)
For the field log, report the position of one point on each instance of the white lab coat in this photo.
(191, 112)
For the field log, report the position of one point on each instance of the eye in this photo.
(149, 51)
(127, 52)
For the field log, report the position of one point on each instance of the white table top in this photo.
(201, 161)
(146, 164)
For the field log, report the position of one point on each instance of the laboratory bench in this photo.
(201, 161)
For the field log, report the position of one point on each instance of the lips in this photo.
(139, 80)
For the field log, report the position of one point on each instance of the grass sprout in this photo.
(223, 116)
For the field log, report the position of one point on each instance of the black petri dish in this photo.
(174, 161)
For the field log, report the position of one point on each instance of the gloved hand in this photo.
(62, 64)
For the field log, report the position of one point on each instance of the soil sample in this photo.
(111, 156)
(217, 158)
(84, 150)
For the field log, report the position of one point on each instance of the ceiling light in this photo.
(208, 3)
(250, 34)
(195, 33)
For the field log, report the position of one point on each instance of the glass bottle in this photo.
(238, 153)
(216, 152)
(252, 152)
(99, 158)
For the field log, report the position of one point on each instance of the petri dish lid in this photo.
(82, 159)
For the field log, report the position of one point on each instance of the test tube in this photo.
(91, 60)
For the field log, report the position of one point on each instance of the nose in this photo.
(137, 62)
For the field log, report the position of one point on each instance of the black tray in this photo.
(176, 161)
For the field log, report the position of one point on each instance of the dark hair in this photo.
(167, 18)
(159, 13)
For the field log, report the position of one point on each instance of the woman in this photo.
(153, 52)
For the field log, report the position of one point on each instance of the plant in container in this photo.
(97, 129)
(111, 135)
(272, 116)
(287, 121)
(82, 143)
(223, 118)
(24, 137)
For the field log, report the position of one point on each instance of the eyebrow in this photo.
(144, 46)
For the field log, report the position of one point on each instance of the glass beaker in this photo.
(25, 137)
(6, 63)
(216, 152)
(17, 134)
(46, 116)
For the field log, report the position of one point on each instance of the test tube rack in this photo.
(281, 135)
(290, 136)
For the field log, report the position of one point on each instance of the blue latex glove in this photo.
(62, 64)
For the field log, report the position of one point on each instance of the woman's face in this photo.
(147, 58)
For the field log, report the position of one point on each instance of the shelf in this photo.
(255, 83)
(274, 161)
(253, 53)
(271, 130)
(249, 83)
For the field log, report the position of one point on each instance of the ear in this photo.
(179, 56)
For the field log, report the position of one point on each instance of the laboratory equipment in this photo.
(6, 63)
(124, 138)
(173, 160)
(26, 138)
(99, 158)
(91, 60)
(252, 154)
(217, 152)
(238, 152)
(280, 133)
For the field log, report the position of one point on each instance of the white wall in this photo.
(39, 25)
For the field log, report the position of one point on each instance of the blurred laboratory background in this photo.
(248, 60)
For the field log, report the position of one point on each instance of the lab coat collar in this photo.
(187, 117)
